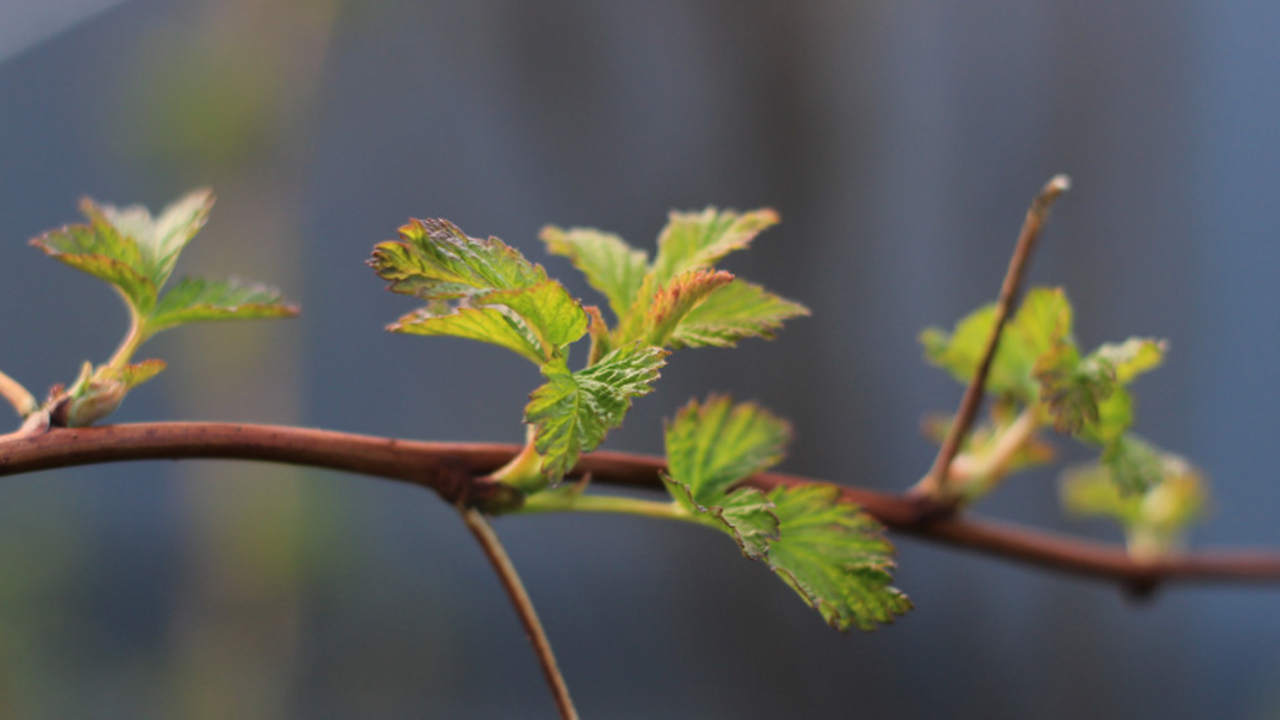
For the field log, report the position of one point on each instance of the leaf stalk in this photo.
(18, 396)
(578, 502)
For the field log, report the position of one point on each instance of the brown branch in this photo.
(501, 562)
(457, 472)
(935, 483)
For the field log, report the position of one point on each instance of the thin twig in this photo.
(458, 470)
(497, 555)
(935, 483)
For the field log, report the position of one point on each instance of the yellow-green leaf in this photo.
(674, 301)
(436, 261)
(1155, 519)
(100, 251)
(200, 300)
(160, 239)
(835, 556)
(573, 411)
(712, 445)
(611, 265)
(694, 240)
(489, 325)
(550, 312)
(731, 313)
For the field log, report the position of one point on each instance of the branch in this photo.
(457, 472)
(935, 483)
(501, 563)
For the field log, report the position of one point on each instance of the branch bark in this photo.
(935, 483)
(457, 471)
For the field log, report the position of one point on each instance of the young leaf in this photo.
(551, 313)
(611, 265)
(437, 262)
(712, 446)
(574, 411)
(1072, 389)
(829, 552)
(99, 250)
(1132, 357)
(1115, 416)
(489, 325)
(733, 312)
(1153, 520)
(1041, 323)
(698, 240)
(1134, 465)
(746, 514)
(678, 298)
(161, 239)
(200, 300)
(136, 254)
(836, 557)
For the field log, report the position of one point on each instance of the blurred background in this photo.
(899, 141)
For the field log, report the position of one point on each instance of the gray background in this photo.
(899, 141)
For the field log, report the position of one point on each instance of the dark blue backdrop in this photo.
(899, 141)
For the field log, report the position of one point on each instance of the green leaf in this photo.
(1132, 357)
(550, 312)
(200, 300)
(161, 239)
(733, 312)
(1115, 416)
(136, 253)
(678, 298)
(574, 411)
(1134, 464)
(713, 445)
(436, 260)
(1153, 520)
(611, 265)
(489, 325)
(1042, 323)
(439, 263)
(697, 240)
(1073, 389)
(745, 514)
(100, 251)
(835, 556)
(831, 553)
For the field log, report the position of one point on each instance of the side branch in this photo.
(497, 556)
(934, 484)
(457, 472)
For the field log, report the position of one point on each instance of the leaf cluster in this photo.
(831, 553)
(1040, 375)
(136, 254)
(483, 289)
